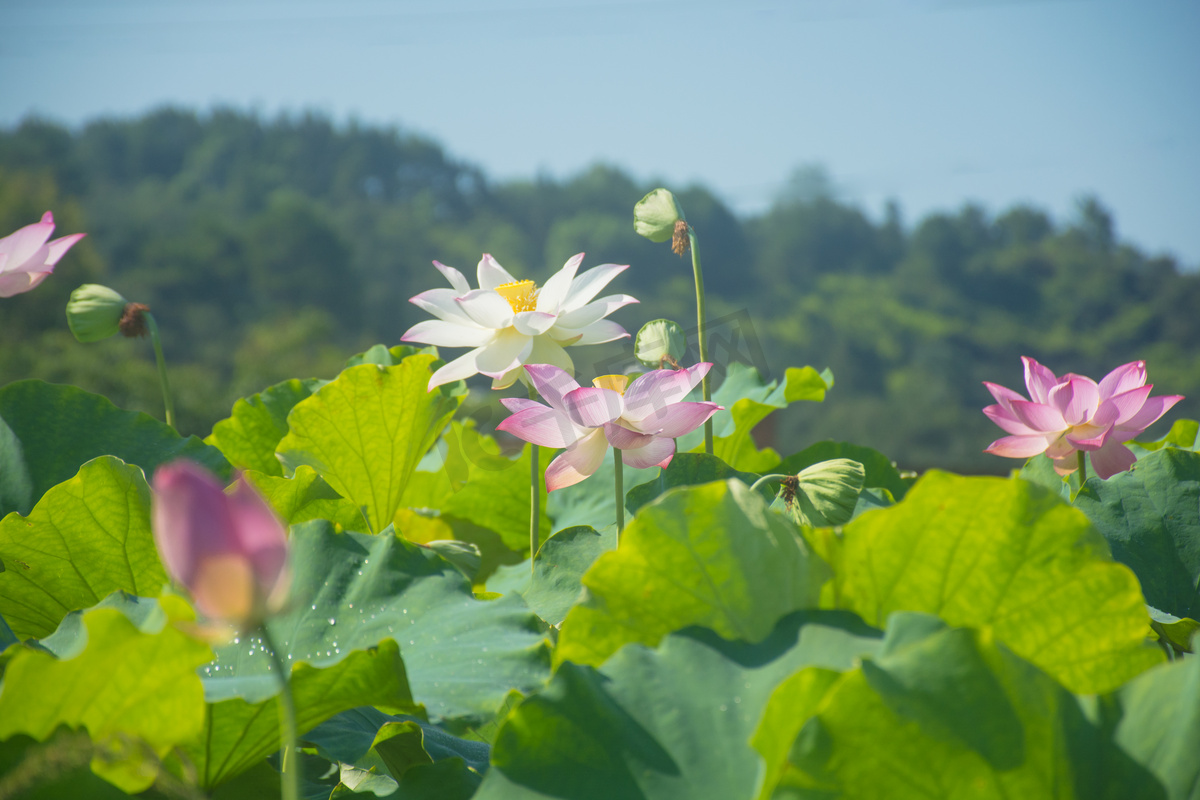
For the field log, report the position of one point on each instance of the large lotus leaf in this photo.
(942, 713)
(306, 496)
(1160, 727)
(86, 538)
(1184, 434)
(238, 734)
(249, 436)
(667, 723)
(748, 400)
(122, 669)
(365, 432)
(880, 472)
(710, 555)
(352, 591)
(20, 776)
(1040, 470)
(1006, 554)
(593, 502)
(689, 469)
(1150, 516)
(555, 582)
(56, 429)
(387, 356)
(1169, 628)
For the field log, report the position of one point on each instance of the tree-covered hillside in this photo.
(274, 248)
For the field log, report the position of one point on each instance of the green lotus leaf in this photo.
(306, 496)
(50, 431)
(365, 432)
(1005, 554)
(249, 436)
(592, 503)
(86, 538)
(555, 582)
(385, 356)
(1150, 516)
(710, 555)
(351, 591)
(1169, 628)
(667, 723)
(688, 469)
(1184, 434)
(120, 670)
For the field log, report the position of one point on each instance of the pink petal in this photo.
(59, 247)
(1126, 404)
(22, 244)
(1123, 379)
(677, 419)
(540, 425)
(657, 453)
(261, 536)
(596, 310)
(447, 334)
(1038, 380)
(578, 462)
(1112, 459)
(1018, 446)
(1003, 395)
(552, 383)
(660, 388)
(589, 284)
(1061, 448)
(486, 308)
(1005, 418)
(515, 404)
(456, 278)
(1039, 417)
(1149, 413)
(491, 274)
(14, 283)
(623, 438)
(592, 407)
(1077, 398)
(554, 291)
(1088, 437)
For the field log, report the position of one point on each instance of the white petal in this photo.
(491, 274)
(589, 284)
(446, 334)
(533, 323)
(507, 350)
(443, 304)
(598, 332)
(547, 351)
(657, 453)
(460, 368)
(486, 308)
(595, 310)
(555, 290)
(456, 278)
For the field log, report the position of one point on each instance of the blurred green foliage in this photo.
(270, 249)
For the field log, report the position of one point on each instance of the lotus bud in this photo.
(97, 312)
(229, 550)
(658, 217)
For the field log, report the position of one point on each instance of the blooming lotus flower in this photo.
(26, 258)
(1074, 413)
(509, 323)
(229, 550)
(640, 418)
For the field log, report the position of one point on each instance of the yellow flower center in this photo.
(615, 382)
(521, 295)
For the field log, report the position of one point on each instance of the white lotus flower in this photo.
(510, 323)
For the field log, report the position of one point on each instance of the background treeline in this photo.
(274, 249)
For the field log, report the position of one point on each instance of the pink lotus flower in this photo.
(640, 418)
(27, 259)
(509, 323)
(229, 550)
(1073, 413)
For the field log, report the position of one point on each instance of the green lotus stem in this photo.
(618, 485)
(701, 334)
(1082, 468)
(754, 486)
(152, 326)
(288, 768)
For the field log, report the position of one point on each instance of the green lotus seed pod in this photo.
(656, 215)
(94, 312)
(660, 343)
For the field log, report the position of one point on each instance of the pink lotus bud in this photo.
(229, 550)
(27, 258)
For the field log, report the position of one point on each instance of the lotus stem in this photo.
(618, 485)
(754, 486)
(288, 768)
(1082, 467)
(701, 334)
(163, 383)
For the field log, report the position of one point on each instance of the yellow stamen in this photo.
(521, 295)
(615, 382)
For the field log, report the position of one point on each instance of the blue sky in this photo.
(930, 102)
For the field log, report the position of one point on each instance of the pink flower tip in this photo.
(228, 549)
(27, 257)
